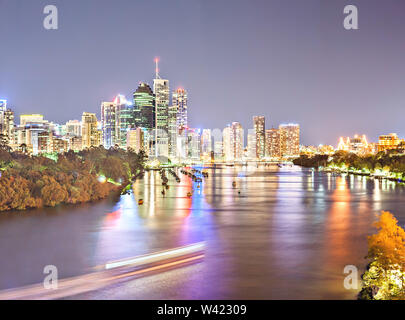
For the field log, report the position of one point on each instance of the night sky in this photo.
(289, 60)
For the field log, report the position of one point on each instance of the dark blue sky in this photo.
(289, 60)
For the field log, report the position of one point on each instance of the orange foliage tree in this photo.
(384, 278)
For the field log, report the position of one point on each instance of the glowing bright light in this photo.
(194, 248)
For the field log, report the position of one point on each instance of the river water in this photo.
(288, 234)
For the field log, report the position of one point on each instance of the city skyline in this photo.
(220, 64)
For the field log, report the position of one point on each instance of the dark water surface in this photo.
(287, 235)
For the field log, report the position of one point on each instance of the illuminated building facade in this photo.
(144, 107)
(193, 144)
(7, 127)
(273, 147)
(289, 140)
(389, 142)
(259, 127)
(108, 124)
(206, 142)
(358, 144)
(124, 119)
(172, 131)
(135, 139)
(179, 101)
(73, 128)
(251, 145)
(162, 93)
(91, 136)
(31, 118)
(233, 142)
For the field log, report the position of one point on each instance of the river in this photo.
(281, 233)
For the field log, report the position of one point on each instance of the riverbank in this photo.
(28, 182)
(385, 166)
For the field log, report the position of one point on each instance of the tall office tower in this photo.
(135, 139)
(206, 142)
(289, 140)
(179, 100)
(259, 127)
(161, 91)
(145, 115)
(233, 142)
(108, 125)
(273, 143)
(73, 128)
(91, 136)
(144, 107)
(172, 131)
(251, 145)
(124, 119)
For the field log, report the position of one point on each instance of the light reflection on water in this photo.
(280, 233)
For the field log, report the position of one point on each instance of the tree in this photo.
(384, 278)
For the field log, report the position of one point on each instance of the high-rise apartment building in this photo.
(289, 140)
(273, 149)
(7, 126)
(233, 142)
(259, 128)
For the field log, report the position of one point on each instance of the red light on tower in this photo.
(157, 67)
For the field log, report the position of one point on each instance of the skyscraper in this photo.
(108, 112)
(91, 136)
(179, 101)
(145, 114)
(289, 140)
(124, 119)
(172, 131)
(144, 107)
(161, 91)
(259, 127)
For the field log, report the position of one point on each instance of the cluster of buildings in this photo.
(152, 120)
(359, 144)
